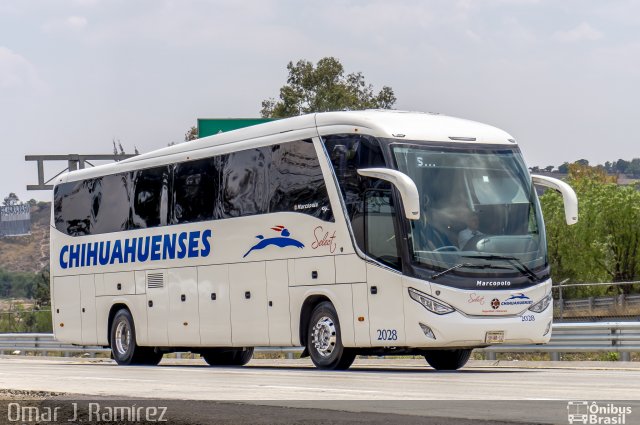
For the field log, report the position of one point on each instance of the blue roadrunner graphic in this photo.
(281, 241)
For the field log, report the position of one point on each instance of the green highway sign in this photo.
(211, 126)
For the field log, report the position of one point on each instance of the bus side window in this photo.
(195, 188)
(150, 197)
(244, 183)
(380, 237)
(110, 200)
(296, 180)
(348, 153)
(72, 208)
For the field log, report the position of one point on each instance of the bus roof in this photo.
(402, 125)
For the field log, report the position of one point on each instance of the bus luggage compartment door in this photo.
(157, 308)
(184, 318)
(249, 316)
(67, 322)
(215, 310)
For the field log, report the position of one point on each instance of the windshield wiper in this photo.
(469, 265)
(513, 261)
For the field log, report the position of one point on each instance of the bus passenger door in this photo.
(249, 317)
(386, 305)
(184, 320)
(157, 307)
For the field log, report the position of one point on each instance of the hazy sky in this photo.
(562, 76)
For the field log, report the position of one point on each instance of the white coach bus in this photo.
(372, 232)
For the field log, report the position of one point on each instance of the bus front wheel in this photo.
(123, 343)
(228, 357)
(324, 341)
(447, 359)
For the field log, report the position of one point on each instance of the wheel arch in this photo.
(112, 314)
(305, 314)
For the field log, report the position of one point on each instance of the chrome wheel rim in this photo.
(324, 336)
(123, 337)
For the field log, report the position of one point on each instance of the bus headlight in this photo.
(437, 307)
(542, 305)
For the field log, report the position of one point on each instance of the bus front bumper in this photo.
(429, 330)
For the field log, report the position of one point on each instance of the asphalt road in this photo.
(531, 392)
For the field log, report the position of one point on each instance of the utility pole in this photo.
(74, 162)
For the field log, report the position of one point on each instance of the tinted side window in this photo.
(150, 197)
(110, 202)
(244, 183)
(348, 153)
(72, 208)
(380, 236)
(195, 187)
(368, 201)
(296, 181)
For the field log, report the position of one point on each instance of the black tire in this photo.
(149, 356)
(228, 357)
(124, 349)
(447, 359)
(324, 340)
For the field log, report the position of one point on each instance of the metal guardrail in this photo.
(42, 342)
(602, 302)
(586, 337)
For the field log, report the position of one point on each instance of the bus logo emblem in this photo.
(281, 241)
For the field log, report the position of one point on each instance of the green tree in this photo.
(564, 168)
(324, 87)
(604, 246)
(191, 134)
(41, 291)
(621, 166)
(11, 199)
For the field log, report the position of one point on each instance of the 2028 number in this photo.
(387, 335)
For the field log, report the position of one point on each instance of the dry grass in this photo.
(28, 253)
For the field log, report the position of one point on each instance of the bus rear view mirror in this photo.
(404, 184)
(568, 195)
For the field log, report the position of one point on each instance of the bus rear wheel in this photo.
(447, 359)
(124, 349)
(228, 357)
(324, 340)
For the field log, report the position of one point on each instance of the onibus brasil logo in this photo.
(595, 412)
(281, 241)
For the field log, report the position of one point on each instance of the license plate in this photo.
(494, 337)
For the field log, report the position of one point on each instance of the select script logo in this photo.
(476, 299)
(323, 238)
(281, 241)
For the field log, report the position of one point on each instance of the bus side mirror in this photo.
(404, 184)
(568, 195)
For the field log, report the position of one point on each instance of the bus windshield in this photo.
(479, 212)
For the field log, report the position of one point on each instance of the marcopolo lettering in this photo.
(493, 283)
(137, 250)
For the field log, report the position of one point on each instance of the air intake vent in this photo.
(155, 280)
